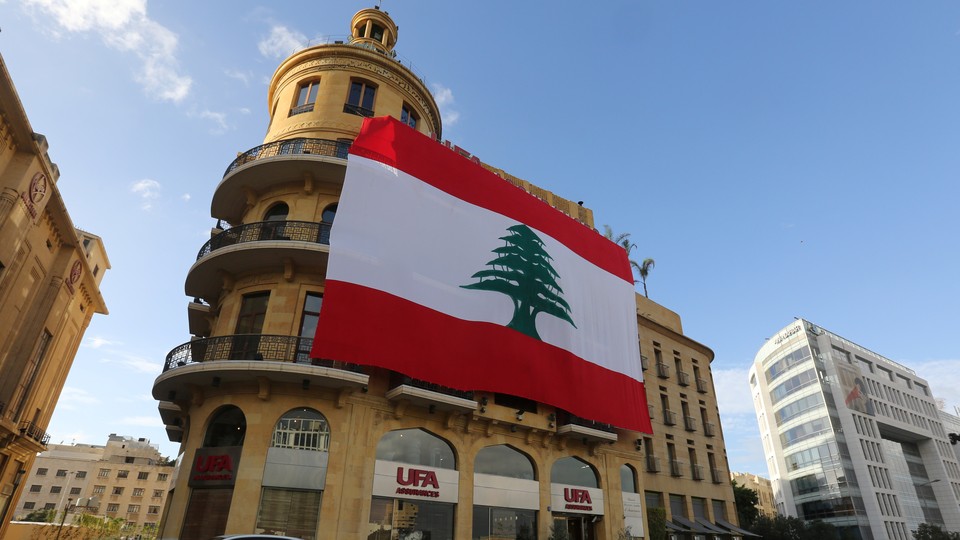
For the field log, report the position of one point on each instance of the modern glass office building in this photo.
(852, 438)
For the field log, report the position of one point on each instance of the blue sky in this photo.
(777, 159)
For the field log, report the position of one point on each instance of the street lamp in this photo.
(66, 509)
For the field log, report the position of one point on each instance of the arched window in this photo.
(628, 479)
(575, 472)
(416, 447)
(329, 213)
(326, 221)
(226, 429)
(504, 460)
(277, 212)
(302, 429)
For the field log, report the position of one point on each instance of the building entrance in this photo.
(578, 527)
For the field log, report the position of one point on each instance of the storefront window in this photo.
(227, 428)
(504, 523)
(574, 471)
(502, 460)
(289, 512)
(398, 519)
(417, 447)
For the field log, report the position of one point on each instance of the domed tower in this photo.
(257, 287)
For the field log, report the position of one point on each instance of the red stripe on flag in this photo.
(370, 327)
(390, 142)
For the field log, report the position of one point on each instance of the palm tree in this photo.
(644, 271)
(623, 240)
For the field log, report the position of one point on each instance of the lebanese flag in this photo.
(445, 272)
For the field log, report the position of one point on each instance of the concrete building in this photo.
(127, 478)
(852, 438)
(50, 274)
(765, 501)
(273, 441)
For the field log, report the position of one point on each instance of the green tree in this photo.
(657, 524)
(623, 240)
(746, 501)
(932, 532)
(41, 516)
(778, 527)
(522, 271)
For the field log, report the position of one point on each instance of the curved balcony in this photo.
(216, 361)
(310, 161)
(258, 245)
(570, 424)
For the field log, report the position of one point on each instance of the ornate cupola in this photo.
(374, 28)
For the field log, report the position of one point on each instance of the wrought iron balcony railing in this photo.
(245, 347)
(398, 379)
(300, 109)
(717, 476)
(696, 471)
(653, 464)
(709, 429)
(652, 410)
(261, 231)
(701, 385)
(564, 418)
(357, 110)
(690, 423)
(669, 418)
(663, 370)
(298, 146)
(676, 467)
(683, 378)
(33, 431)
(644, 363)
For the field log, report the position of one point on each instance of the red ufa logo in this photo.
(418, 478)
(580, 496)
(214, 464)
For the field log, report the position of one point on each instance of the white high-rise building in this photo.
(852, 438)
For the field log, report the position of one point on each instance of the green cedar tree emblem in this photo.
(523, 272)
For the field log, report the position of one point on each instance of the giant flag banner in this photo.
(445, 272)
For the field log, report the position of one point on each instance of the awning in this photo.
(712, 527)
(675, 528)
(734, 529)
(695, 527)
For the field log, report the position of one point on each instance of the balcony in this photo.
(211, 362)
(676, 467)
(718, 477)
(300, 160)
(255, 246)
(429, 395)
(689, 423)
(651, 410)
(683, 378)
(709, 429)
(701, 385)
(644, 362)
(570, 424)
(33, 431)
(696, 471)
(663, 370)
(653, 464)
(669, 418)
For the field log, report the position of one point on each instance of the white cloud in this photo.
(186, 197)
(73, 396)
(95, 342)
(147, 190)
(218, 118)
(444, 98)
(140, 364)
(943, 377)
(281, 42)
(242, 76)
(125, 26)
(733, 391)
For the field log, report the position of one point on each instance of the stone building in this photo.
(50, 274)
(274, 441)
(765, 502)
(126, 478)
